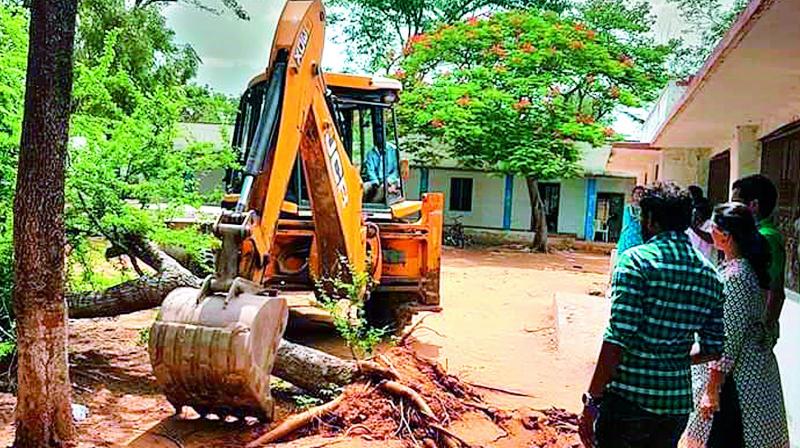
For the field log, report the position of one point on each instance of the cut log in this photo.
(136, 295)
(312, 369)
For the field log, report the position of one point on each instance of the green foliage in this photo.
(144, 49)
(304, 402)
(514, 92)
(144, 335)
(126, 176)
(343, 297)
(13, 57)
(325, 394)
(710, 19)
(377, 31)
(88, 270)
(206, 106)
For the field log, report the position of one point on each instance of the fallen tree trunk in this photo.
(145, 292)
(312, 369)
(136, 295)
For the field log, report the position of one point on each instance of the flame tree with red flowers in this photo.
(514, 92)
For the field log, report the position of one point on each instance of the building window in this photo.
(461, 194)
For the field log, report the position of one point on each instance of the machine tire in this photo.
(393, 312)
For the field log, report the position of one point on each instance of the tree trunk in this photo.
(143, 293)
(43, 413)
(538, 216)
(311, 369)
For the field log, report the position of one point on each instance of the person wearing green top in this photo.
(759, 194)
(663, 293)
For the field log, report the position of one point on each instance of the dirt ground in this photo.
(497, 331)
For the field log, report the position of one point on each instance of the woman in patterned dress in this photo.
(742, 391)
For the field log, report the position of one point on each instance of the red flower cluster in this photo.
(577, 45)
(625, 60)
(437, 123)
(527, 47)
(498, 51)
(524, 103)
(464, 100)
(584, 119)
(609, 132)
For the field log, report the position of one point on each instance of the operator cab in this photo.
(363, 108)
(364, 111)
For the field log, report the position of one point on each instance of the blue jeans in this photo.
(623, 424)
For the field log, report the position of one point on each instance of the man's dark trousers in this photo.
(623, 424)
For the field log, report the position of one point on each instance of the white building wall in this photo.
(412, 184)
(487, 197)
(572, 207)
(521, 205)
(661, 111)
(789, 363)
(488, 193)
(616, 185)
(684, 166)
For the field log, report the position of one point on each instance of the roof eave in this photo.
(744, 23)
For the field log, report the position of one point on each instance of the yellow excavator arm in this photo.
(295, 120)
(214, 348)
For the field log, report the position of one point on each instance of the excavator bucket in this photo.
(215, 356)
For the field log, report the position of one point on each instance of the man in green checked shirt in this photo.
(663, 294)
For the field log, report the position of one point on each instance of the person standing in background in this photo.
(742, 391)
(631, 234)
(699, 231)
(663, 292)
(759, 194)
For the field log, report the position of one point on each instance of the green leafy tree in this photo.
(514, 92)
(125, 177)
(709, 20)
(378, 32)
(13, 55)
(145, 48)
(206, 106)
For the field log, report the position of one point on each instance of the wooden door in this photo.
(719, 178)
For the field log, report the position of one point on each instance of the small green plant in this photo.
(7, 349)
(344, 296)
(304, 402)
(144, 336)
(324, 394)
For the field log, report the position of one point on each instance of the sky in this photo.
(233, 51)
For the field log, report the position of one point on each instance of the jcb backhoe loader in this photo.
(300, 211)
